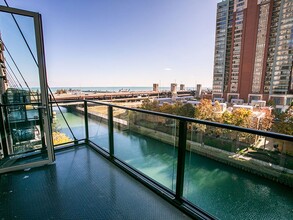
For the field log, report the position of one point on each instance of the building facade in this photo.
(253, 51)
(3, 78)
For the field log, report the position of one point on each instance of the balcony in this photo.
(81, 184)
(118, 158)
(95, 160)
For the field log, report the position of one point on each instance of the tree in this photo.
(177, 108)
(60, 138)
(204, 110)
(217, 112)
(284, 122)
(266, 122)
(166, 108)
(227, 118)
(187, 110)
(147, 104)
(241, 117)
(271, 103)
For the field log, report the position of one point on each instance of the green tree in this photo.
(267, 121)
(271, 103)
(166, 108)
(227, 118)
(177, 108)
(60, 138)
(204, 110)
(187, 110)
(284, 122)
(147, 104)
(241, 117)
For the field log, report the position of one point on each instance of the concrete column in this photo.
(182, 87)
(174, 91)
(155, 87)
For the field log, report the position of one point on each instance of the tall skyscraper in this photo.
(253, 50)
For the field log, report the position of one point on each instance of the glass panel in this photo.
(239, 172)
(24, 139)
(18, 59)
(148, 143)
(22, 113)
(98, 125)
(74, 115)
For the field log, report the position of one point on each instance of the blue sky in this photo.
(127, 42)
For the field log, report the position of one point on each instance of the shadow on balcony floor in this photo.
(80, 185)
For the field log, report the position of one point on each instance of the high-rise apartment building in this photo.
(253, 51)
(3, 78)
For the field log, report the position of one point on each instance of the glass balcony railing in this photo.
(147, 143)
(67, 122)
(98, 125)
(207, 169)
(23, 127)
(244, 157)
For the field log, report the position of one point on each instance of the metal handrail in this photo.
(204, 122)
(19, 104)
(39, 104)
(178, 199)
(182, 118)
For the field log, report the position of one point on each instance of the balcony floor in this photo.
(80, 185)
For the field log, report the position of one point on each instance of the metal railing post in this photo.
(181, 159)
(111, 131)
(42, 128)
(3, 141)
(86, 122)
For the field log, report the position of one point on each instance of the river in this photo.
(225, 192)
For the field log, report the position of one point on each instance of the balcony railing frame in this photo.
(203, 122)
(111, 132)
(176, 198)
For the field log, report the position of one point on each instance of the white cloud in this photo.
(168, 69)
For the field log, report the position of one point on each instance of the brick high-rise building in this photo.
(253, 51)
